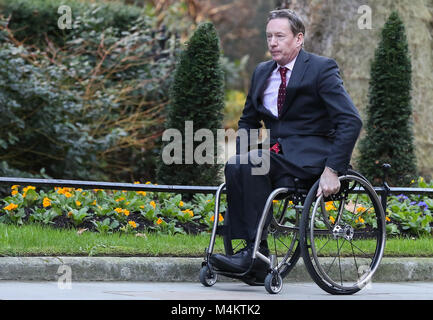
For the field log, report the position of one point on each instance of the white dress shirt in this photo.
(270, 95)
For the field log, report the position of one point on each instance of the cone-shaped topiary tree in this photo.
(389, 136)
(197, 102)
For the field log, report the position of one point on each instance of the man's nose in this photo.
(273, 42)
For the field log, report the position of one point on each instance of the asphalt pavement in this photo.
(221, 291)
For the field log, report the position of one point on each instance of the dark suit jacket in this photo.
(319, 124)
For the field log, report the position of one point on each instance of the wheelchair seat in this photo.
(293, 184)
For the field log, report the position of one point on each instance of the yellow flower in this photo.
(181, 203)
(190, 212)
(118, 210)
(361, 209)
(159, 221)
(68, 194)
(78, 203)
(330, 206)
(387, 219)
(70, 214)
(120, 199)
(11, 206)
(94, 202)
(275, 201)
(126, 212)
(14, 189)
(143, 193)
(132, 224)
(96, 190)
(220, 218)
(46, 202)
(360, 220)
(28, 188)
(332, 219)
(153, 204)
(136, 182)
(148, 182)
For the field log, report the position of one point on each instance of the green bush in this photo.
(89, 109)
(37, 127)
(197, 96)
(35, 21)
(389, 136)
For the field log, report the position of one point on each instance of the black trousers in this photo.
(247, 192)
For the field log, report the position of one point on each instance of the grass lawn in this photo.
(37, 240)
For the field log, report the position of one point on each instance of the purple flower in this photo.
(413, 203)
(422, 204)
(402, 197)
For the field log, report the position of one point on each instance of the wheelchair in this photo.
(341, 238)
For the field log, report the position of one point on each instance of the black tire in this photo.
(331, 270)
(207, 277)
(273, 283)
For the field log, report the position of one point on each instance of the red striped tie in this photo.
(280, 101)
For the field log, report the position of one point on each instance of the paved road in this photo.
(15, 290)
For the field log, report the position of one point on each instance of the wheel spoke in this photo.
(363, 252)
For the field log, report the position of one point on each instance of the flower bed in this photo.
(138, 211)
(109, 211)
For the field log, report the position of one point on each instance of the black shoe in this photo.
(240, 261)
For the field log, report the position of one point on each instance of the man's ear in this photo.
(300, 39)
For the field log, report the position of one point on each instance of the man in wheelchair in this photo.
(313, 127)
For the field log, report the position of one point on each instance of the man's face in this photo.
(282, 43)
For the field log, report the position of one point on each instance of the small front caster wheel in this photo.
(207, 277)
(273, 283)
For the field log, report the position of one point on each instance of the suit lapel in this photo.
(261, 82)
(295, 78)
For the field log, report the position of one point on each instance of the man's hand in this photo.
(329, 183)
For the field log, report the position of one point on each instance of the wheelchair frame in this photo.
(303, 238)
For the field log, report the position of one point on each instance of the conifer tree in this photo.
(197, 95)
(389, 136)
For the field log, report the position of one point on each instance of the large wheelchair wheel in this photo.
(283, 234)
(342, 237)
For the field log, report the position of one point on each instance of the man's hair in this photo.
(295, 22)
